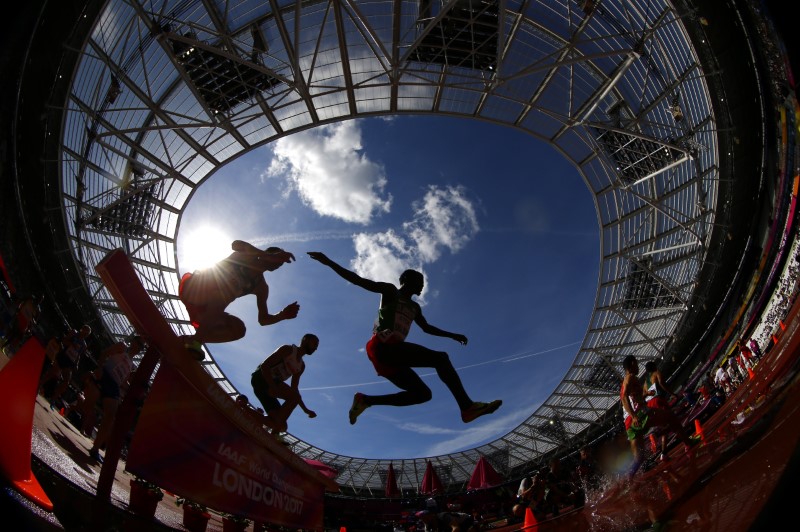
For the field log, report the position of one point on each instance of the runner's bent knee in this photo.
(422, 395)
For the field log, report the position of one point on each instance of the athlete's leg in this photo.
(87, 408)
(110, 406)
(66, 378)
(414, 390)
(409, 355)
(636, 452)
(291, 398)
(52, 374)
(666, 419)
(218, 327)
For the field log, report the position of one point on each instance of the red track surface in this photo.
(727, 482)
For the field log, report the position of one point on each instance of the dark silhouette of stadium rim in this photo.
(657, 106)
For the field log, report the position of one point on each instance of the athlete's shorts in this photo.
(649, 418)
(108, 387)
(634, 432)
(373, 345)
(262, 392)
(657, 402)
(191, 308)
(64, 362)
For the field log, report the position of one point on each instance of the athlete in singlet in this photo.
(639, 418)
(73, 347)
(656, 389)
(657, 392)
(114, 375)
(207, 293)
(269, 381)
(393, 357)
(21, 327)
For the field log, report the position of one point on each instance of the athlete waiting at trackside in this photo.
(639, 418)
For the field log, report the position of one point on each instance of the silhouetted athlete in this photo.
(393, 357)
(269, 380)
(206, 293)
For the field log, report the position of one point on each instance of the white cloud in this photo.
(329, 398)
(264, 240)
(422, 428)
(383, 256)
(487, 428)
(328, 170)
(446, 218)
(443, 218)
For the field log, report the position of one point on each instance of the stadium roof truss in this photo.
(165, 92)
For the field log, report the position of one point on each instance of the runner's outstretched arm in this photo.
(261, 292)
(295, 386)
(346, 274)
(436, 331)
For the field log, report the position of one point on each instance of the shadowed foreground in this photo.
(739, 479)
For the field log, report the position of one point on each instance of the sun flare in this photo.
(202, 248)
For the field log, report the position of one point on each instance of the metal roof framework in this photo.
(167, 91)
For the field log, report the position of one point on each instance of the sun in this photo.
(203, 247)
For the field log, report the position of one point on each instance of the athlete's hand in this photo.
(290, 311)
(320, 257)
(280, 257)
(311, 413)
(460, 338)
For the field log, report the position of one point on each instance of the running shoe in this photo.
(477, 410)
(359, 405)
(95, 455)
(195, 349)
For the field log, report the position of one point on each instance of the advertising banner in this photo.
(185, 444)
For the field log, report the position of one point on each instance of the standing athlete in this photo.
(393, 357)
(639, 418)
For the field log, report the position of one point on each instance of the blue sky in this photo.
(501, 225)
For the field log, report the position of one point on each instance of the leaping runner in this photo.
(393, 357)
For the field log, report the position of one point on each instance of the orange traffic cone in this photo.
(667, 491)
(698, 428)
(530, 521)
(783, 325)
(653, 446)
(751, 373)
(19, 382)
